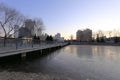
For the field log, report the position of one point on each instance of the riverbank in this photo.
(88, 43)
(5, 75)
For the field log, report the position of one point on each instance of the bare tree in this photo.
(71, 37)
(40, 27)
(119, 33)
(100, 33)
(9, 17)
(19, 21)
(116, 33)
(94, 35)
(100, 36)
(109, 34)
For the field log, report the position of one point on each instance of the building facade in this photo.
(84, 35)
(25, 33)
(30, 24)
(28, 30)
(16, 31)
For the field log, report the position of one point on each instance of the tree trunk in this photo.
(4, 41)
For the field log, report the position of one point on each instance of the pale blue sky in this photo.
(67, 16)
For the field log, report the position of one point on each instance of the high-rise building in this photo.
(85, 35)
(79, 35)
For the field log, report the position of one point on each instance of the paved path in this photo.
(7, 51)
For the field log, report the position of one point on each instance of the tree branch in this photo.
(3, 29)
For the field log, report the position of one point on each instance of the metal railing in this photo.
(17, 43)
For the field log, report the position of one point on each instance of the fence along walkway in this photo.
(13, 46)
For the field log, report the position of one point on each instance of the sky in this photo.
(68, 16)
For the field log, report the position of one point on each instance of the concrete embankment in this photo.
(5, 75)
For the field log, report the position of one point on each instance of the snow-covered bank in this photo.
(5, 75)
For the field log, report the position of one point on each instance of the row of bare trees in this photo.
(9, 17)
(100, 35)
(112, 33)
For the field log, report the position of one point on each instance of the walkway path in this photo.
(7, 51)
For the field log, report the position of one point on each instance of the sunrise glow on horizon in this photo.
(68, 16)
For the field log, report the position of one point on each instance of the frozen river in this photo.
(78, 62)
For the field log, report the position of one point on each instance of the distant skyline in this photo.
(67, 16)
